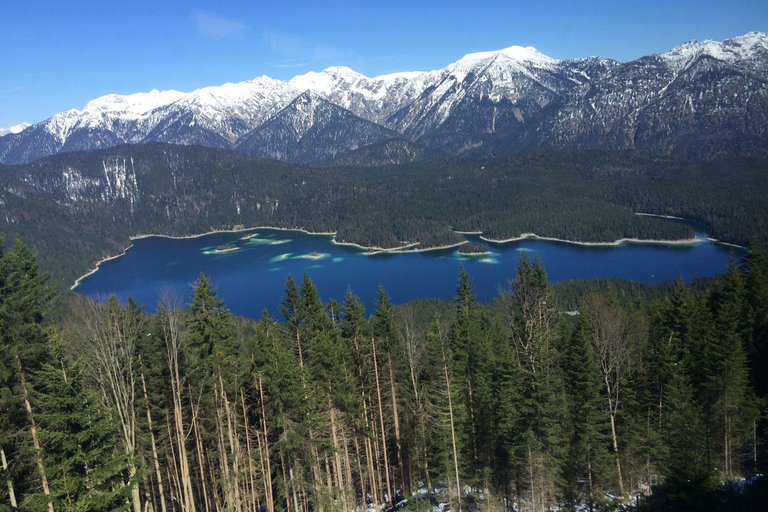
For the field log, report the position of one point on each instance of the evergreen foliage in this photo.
(328, 410)
(85, 473)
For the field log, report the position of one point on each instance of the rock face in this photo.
(700, 101)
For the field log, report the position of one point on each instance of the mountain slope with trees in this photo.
(77, 208)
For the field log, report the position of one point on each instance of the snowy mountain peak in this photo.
(729, 51)
(750, 41)
(482, 96)
(327, 80)
(137, 104)
(527, 54)
(14, 129)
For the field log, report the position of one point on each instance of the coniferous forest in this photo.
(511, 405)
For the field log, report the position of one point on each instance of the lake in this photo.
(252, 276)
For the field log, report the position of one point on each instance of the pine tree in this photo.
(471, 365)
(538, 441)
(728, 385)
(392, 374)
(210, 327)
(755, 267)
(689, 485)
(589, 460)
(85, 472)
(25, 302)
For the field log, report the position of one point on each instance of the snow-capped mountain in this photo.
(14, 129)
(311, 129)
(699, 100)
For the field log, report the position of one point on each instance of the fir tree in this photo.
(210, 327)
(25, 302)
(538, 441)
(84, 472)
(588, 460)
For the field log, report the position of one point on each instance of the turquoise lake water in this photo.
(252, 277)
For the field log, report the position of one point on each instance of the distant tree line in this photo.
(327, 408)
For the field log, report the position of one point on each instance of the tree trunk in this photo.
(8, 480)
(35, 440)
(172, 342)
(268, 474)
(152, 439)
(360, 471)
(372, 473)
(453, 431)
(248, 453)
(381, 418)
(349, 490)
(397, 424)
(173, 478)
(337, 469)
(234, 450)
(616, 451)
(201, 458)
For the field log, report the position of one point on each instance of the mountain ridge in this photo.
(512, 100)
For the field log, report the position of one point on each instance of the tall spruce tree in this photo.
(733, 404)
(589, 460)
(539, 441)
(392, 374)
(85, 472)
(25, 302)
(210, 327)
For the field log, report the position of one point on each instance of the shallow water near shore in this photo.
(252, 276)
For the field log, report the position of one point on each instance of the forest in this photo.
(72, 213)
(510, 405)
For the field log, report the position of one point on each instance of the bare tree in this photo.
(108, 340)
(607, 329)
(170, 317)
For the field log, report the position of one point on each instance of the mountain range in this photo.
(699, 101)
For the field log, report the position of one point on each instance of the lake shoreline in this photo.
(408, 248)
(96, 268)
(534, 236)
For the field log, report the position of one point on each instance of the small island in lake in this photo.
(226, 247)
(473, 249)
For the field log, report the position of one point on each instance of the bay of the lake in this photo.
(252, 275)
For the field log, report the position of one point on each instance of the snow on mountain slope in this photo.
(370, 98)
(14, 129)
(700, 100)
(481, 95)
(311, 129)
(742, 49)
(488, 92)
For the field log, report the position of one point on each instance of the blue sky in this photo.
(58, 55)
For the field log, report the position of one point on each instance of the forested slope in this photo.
(324, 409)
(76, 208)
